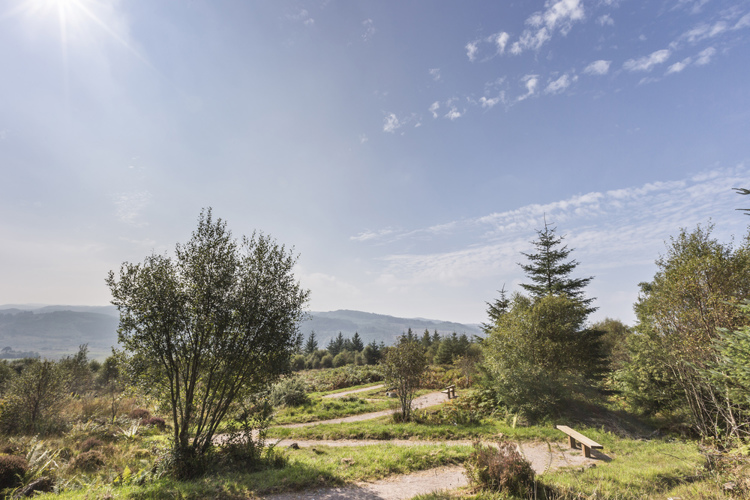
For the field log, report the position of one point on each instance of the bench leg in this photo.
(586, 451)
(571, 442)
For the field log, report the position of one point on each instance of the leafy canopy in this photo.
(206, 327)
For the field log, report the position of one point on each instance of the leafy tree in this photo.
(357, 343)
(312, 343)
(403, 368)
(614, 341)
(33, 397)
(372, 353)
(538, 350)
(206, 327)
(693, 296)
(549, 270)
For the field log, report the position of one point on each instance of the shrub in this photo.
(501, 469)
(157, 422)
(89, 461)
(90, 444)
(290, 391)
(12, 469)
(139, 414)
(326, 361)
(298, 362)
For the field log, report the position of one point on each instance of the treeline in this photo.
(341, 351)
(686, 361)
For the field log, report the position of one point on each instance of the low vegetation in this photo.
(669, 399)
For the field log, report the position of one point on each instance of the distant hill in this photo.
(54, 331)
(377, 327)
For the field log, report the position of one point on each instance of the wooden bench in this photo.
(450, 391)
(573, 437)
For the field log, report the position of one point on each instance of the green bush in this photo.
(298, 362)
(291, 391)
(12, 469)
(326, 361)
(501, 469)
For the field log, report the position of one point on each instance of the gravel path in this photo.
(399, 487)
(431, 399)
(543, 457)
(342, 394)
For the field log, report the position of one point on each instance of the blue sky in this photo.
(406, 149)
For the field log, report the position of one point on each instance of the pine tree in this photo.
(549, 269)
(495, 310)
(312, 343)
(336, 345)
(357, 343)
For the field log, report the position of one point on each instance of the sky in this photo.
(407, 150)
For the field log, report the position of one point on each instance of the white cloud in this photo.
(625, 226)
(600, 67)
(369, 26)
(560, 84)
(308, 22)
(490, 102)
(471, 50)
(678, 66)
(704, 56)
(392, 123)
(434, 108)
(560, 15)
(530, 82)
(744, 22)
(530, 40)
(501, 40)
(453, 113)
(435, 74)
(646, 63)
(605, 20)
(363, 138)
(372, 235)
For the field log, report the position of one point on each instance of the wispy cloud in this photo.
(704, 56)
(434, 109)
(435, 74)
(560, 84)
(627, 226)
(558, 17)
(471, 50)
(369, 26)
(647, 63)
(372, 235)
(600, 67)
(129, 206)
(605, 20)
(500, 40)
(391, 123)
(530, 82)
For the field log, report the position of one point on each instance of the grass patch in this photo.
(639, 469)
(326, 409)
(384, 428)
(307, 468)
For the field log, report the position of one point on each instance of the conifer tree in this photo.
(549, 269)
(357, 343)
(312, 343)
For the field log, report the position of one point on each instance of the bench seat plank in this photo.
(573, 436)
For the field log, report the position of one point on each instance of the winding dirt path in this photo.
(543, 457)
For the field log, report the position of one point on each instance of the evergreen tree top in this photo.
(549, 268)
